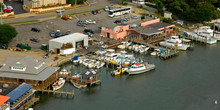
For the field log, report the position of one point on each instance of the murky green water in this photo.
(190, 81)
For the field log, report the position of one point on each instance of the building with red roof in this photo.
(4, 105)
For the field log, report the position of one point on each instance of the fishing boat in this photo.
(78, 84)
(58, 84)
(140, 68)
(64, 72)
(75, 60)
(174, 41)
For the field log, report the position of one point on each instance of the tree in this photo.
(72, 2)
(7, 33)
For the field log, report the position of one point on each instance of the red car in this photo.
(7, 10)
(65, 18)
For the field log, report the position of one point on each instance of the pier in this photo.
(56, 92)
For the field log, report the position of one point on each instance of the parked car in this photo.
(34, 39)
(68, 32)
(65, 18)
(35, 29)
(69, 17)
(94, 12)
(124, 19)
(89, 31)
(134, 17)
(57, 34)
(117, 21)
(106, 8)
(8, 10)
(90, 21)
(111, 8)
(52, 34)
(60, 10)
(133, 26)
(82, 21)
(81, 24)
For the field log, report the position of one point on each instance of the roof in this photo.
(26, 61)
(159, 25)
(18, 92)
(43, 75)
(111, 25)
(3, 99)
(151, 32)
(70, 37)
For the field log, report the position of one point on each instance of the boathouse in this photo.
(4, 104)
(67, 44)
(28, 70)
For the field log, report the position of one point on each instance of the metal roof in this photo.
(26, 61)
(43, 75)
(3, 99)
(18, 92)
(70, 37)
(151, 32)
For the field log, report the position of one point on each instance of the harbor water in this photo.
(190, 81)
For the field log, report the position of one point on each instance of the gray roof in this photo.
(159, 25)
(26, 61)
(151, 32)
(43, 75)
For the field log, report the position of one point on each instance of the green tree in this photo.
(72, 2)
(7, 33)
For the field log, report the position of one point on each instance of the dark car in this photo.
(117, 21)
(68, 32)
(81, 24)
(35, 29)
(89, 31)
(52, 34)
(94, 12)
(34, 39)
(57, 34)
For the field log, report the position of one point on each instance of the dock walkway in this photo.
(56, 92)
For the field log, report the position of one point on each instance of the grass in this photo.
(23, 22)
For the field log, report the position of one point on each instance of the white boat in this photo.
(81, 59)
(204, 30)
(78, 84)
(140, 68)
(86, 62)
(123, 45)
(58, 84)
(64, 72)
(174, 42)
(99, 64)
(155, 52)
(91, 64)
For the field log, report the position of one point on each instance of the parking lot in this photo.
(25, 33)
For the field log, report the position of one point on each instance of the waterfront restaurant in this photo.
(28, 70)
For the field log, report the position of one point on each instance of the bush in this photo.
(7, 33)
(125, 3)
(167, 20)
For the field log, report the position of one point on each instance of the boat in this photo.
(155, 52)
(201, 37)
(91, 64)
(140, 68)
(86, 62)
(58, 84)
(75, 60)
(174, 41)
(119, 71)
(64, 72)
(123, 45)
(99, 64)
(78, 84)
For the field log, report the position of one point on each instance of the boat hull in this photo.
(148, 68)
(170, 45)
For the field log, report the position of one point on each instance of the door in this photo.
(108, 35)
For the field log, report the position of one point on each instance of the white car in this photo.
(106, 8)
(90, 22)
(60, 10)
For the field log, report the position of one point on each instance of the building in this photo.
(115, 31)
(4, 104)
(41, 3)
(21, 97)
(28, 70)
(167, 14)
(68, 44)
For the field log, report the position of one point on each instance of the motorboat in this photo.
(81, 59)
(78, 84)
(140, 68)
(86, 62)
(203, 37)
(174, 42)
(123, 45)
(91, 64)
(75, 60)
(204, 30)
(58, 84)
(64, 72)
(99, 64)
(119, 71)
(155, 52)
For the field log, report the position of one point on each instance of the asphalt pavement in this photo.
(94, 4)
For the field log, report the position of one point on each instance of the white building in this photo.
(58, 45)
(167, 14)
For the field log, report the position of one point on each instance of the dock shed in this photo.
(67, 44)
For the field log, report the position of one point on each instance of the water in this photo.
(190, 81)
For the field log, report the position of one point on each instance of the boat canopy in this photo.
(75, 57)
(138, 57)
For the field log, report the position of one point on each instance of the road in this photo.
(94, 4)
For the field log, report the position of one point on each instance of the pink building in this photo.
(115, 31)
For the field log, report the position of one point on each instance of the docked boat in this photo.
(174, 41)
(140, 68)
(155, 52)
(123, 45)
(78, 84)
(99, 64)
(91, 64)
(119, 71)
(64, 72)
(58, 84)
(75, 60)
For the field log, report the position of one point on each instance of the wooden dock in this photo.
(57, 92)
(204, 41)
